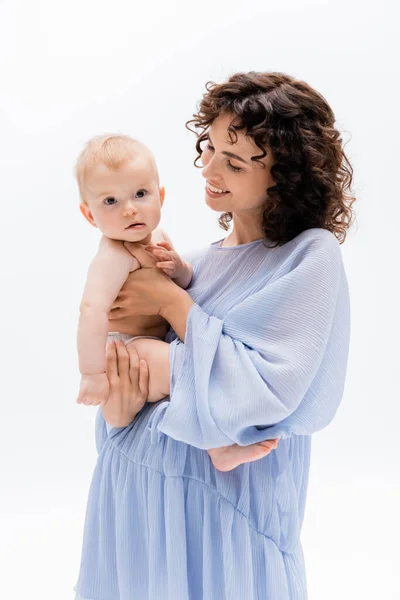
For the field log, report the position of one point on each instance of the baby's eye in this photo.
(140, 194)
(110, 201)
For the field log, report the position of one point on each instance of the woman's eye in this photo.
(230, 165)
(140, 194)
(110, 201)
(233, 168)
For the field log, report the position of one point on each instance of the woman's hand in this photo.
(145, 292)
(149, 291)
(129, 384)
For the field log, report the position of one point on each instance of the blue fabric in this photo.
(264, 356)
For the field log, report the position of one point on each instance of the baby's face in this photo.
(125, 203)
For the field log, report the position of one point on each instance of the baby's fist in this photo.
(94, 389)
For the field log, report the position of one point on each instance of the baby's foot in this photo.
(230, 457)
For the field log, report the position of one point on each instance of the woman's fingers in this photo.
(125, 399)
(111, 363)
(139, 380)
(133, 366)
(123, 360)
(144, 379)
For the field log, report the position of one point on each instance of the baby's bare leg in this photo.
(156, 354)
(230, 457)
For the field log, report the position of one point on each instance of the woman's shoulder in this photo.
(313, 253)
(193, 256)
(316, 238)
(314, 244)
(309, 246)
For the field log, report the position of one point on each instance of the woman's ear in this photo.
(162, 195)
(87, 214)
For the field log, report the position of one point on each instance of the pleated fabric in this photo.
(264, 355)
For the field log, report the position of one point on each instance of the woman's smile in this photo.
(214, 191)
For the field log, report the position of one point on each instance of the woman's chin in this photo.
(216, 204)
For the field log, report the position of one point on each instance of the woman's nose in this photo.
(209, 170)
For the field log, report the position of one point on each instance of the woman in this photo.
(258, 351)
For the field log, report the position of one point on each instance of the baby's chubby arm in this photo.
(106, 275)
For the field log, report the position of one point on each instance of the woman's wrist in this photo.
(175, 309)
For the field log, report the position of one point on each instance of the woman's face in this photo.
(235, 183)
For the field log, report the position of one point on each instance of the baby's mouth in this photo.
(136, 226)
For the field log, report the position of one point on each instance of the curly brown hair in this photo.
(312, 174)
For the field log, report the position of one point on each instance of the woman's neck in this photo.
(243, 233)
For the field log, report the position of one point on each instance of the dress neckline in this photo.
(217, 244)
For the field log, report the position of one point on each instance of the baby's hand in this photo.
(168, 259)
(94, 389)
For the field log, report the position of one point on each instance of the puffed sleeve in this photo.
(276, 364)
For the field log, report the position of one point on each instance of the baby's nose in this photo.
(130, 209)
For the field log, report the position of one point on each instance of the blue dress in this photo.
(264, 356)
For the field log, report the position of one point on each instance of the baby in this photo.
(121, 195)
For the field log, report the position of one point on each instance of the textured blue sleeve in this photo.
(276, 364)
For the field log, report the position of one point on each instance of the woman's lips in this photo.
(215, 194)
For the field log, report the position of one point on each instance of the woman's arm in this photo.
(274, 366)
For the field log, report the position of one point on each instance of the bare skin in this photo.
(125, 204)
(129, 385)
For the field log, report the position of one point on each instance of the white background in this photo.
(70, 70)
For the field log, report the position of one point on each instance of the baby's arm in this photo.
(106, 275)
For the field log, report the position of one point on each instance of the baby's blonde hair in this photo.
(113, 150)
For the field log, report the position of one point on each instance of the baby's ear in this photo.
(87, 214)
(162, 195)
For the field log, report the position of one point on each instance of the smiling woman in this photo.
(258, 351)
(284, 126)
(236, 183)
